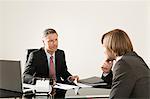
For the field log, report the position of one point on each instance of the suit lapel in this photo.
(56, 60)
(44, 57)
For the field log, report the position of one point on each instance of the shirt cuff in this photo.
(69, 79)
(105, 74)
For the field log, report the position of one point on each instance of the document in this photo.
(82, 85)
(64, 86)
(42, 86)
(28, 86)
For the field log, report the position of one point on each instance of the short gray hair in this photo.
(49, 31)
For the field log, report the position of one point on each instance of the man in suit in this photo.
(130, 76)
(48, 61)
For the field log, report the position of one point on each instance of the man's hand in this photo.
(107, 65)
(72, 78)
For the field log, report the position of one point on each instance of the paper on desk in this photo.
(64, 86)
(28, 86)
(41, 86)
(82, 85)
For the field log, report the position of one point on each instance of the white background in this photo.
(80, 25)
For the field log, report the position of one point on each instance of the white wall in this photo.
(148, 35)
(79, 24)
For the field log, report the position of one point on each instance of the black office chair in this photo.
(28, 53)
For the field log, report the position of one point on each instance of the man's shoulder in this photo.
(38, 51)
(59, 50)
(41, 50)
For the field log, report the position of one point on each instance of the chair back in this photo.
(28, 53)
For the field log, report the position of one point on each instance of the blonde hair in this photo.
(117, 41)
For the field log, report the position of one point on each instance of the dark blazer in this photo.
(131, 78)
(108, 79)
(37, 66)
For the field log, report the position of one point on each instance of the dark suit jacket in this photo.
(108, 79)
(131, 78)
(37, 66)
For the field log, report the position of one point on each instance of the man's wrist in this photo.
(69, 79)
(105, 74)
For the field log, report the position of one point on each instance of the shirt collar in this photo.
(49, 55)
(118, 58)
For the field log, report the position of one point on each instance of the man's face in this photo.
(51, 42)
(109, 55)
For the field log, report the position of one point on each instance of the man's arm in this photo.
(107, 72)
(66, 75)
(28, 75)
(123, 82)
(107, 77)
(65, 72)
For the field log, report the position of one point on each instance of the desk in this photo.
(59, 93)
(10, 94)
(88, 93)
(82, 93)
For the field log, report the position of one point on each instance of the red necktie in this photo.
(52, 69)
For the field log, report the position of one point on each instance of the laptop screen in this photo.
(10, 75)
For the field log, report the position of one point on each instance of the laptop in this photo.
(10, 77)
